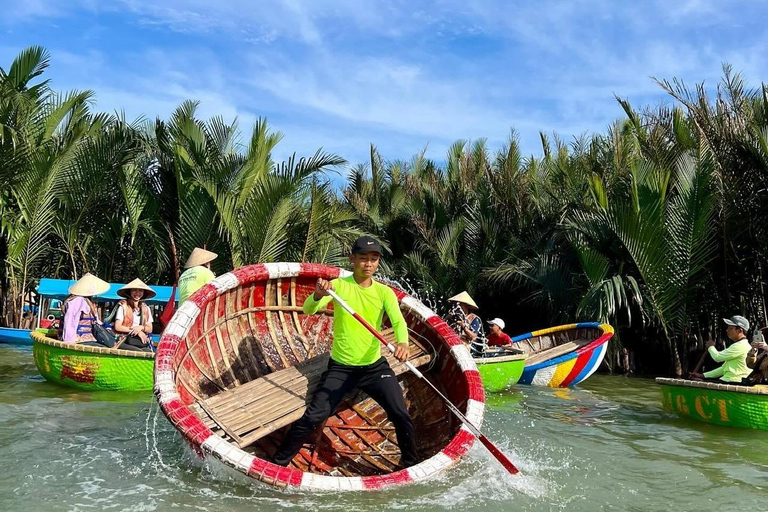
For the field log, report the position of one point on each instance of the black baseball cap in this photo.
(366, 244)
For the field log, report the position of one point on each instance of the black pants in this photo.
(378, 381)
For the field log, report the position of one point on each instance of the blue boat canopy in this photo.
(59, 289)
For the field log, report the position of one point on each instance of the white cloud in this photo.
(344, 72)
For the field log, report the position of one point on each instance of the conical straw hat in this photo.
(464, 298)
(200, 257)
(88, 286)
(136, 284)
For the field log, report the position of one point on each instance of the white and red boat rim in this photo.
(205, 441)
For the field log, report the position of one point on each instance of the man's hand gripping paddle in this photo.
(475, 431)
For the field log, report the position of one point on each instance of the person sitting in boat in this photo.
(757, 360)
(497, 337)
(467, 324)
(198, 273)
(356, 360)
(79, 313)
(133, 320)
(734, 358)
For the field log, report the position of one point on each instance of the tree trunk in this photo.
(676, 360)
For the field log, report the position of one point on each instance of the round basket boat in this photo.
(92, 368)
(718, 403)
(239, 362)
(565, 355)
(500, 372)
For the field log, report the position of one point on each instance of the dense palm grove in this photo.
(658, 226)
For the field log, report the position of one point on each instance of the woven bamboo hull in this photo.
(238, 362)
(92, 368)
(723, 404)
(565, 355)
(500, 373)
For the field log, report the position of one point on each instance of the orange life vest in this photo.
(128, 313)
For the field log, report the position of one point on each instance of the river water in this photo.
(606, 445)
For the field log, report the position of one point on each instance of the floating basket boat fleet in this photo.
(240, 360)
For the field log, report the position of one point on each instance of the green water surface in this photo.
(606, 445)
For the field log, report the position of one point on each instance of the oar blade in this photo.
(499, 455)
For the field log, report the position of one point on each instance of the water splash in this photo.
(428, 297)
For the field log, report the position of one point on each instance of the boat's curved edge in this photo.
(85, 349)
(206, 443)
(571, 368)
(718, 386)
(726, 405)
(68, 365)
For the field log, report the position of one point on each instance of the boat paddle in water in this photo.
(239, 362)
(498, 454)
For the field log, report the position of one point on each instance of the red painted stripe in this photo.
(250, 273)
(399, 294)
(263, 470)
(203, 296)
(186, 421)
(475, 388)
(377, 482)
(317, 270)
(444, 330)
(581, 361)
(459, 445)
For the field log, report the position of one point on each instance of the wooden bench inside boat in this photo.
(257, 408)
(556, 351)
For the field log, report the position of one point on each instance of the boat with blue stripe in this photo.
(52, 291)
(565, 355)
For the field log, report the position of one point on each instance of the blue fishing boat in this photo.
(14, 336)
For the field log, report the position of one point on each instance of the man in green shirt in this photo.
(356, 360)
(734, 358)
(198, 273)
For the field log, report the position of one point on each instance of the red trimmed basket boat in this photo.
(239, 361)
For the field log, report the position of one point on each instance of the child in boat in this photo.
(356, 360)
(133, 322)
(734, 358)
(198, 273)
(78, 311)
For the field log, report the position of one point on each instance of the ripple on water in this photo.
(606, 446)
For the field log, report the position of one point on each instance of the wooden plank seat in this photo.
(556, 351)
(257, 408)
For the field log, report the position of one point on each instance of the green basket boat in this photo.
(728, 405)
(92, 368)
(500, 372)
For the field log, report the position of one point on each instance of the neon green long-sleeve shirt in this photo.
(192, 280)
(734, 359)
(352, 343)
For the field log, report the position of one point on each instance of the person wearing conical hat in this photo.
(133, 321)
(79, 312)
(198, 273)
(466, 323)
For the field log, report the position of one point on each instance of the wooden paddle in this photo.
(701, 362)
(498, 454)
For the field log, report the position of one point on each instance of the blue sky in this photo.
(340, 74)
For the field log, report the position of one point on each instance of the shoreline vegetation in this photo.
(657, 226)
